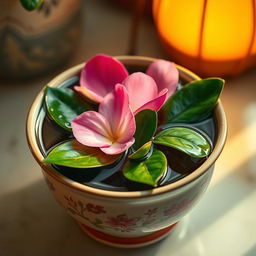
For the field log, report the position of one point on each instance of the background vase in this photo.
(34, 43)
(211, 37)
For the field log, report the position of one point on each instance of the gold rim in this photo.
(126, 60)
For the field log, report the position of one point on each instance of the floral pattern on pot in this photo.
(80, 209)
(125, 220)
(177, 207)
(121, 222)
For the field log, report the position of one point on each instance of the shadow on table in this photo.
(32, 223)
(237, 186)
(251, 251)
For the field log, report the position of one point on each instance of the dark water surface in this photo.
(49, 134)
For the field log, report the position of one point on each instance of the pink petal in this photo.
(165, 74)
(92, 129)
(100, 75)
(156, 103)
(88, 94)
(115, 108)
(117, 148)
(141, 89)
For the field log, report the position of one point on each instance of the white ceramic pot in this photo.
(127, 219)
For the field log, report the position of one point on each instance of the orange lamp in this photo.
(211, 37)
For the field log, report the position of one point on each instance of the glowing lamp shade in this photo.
(211, 37)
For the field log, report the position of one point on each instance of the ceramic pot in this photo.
(34, 43)
(126, 219)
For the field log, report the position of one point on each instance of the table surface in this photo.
(32, 223)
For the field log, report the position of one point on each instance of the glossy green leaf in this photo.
(184, 139)
(146, 123)
(194, 102)
(148, 171)
(73, 154)
(142, 151)
(30, 5)
(63, 105)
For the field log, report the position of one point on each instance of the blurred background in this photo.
(210, 37)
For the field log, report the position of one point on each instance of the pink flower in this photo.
(112, 128)
(151, 212)
(143, 92)
(71, 202)
(121, 221)
(146, 91)
(97, 209)
(177, 207)
(99, 77)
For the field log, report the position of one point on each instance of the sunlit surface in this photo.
(250, 117)
(240, 150)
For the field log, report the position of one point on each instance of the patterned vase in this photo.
(34, 43)
(124, 218)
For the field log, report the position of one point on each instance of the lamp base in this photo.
(127, 242)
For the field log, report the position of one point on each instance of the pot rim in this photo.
(219, 114)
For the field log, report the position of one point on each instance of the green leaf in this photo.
(184, 139)
(194, 102)
(73, 154)
(149, 171)
(142, 151)
(146, 123)
(63, 105)
(30, 5)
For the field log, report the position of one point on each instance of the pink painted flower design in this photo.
(151, 212)
(96, 209)
(112, 128)
(71, 202)
(177, 207)
(146, 91)
(122, 221)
